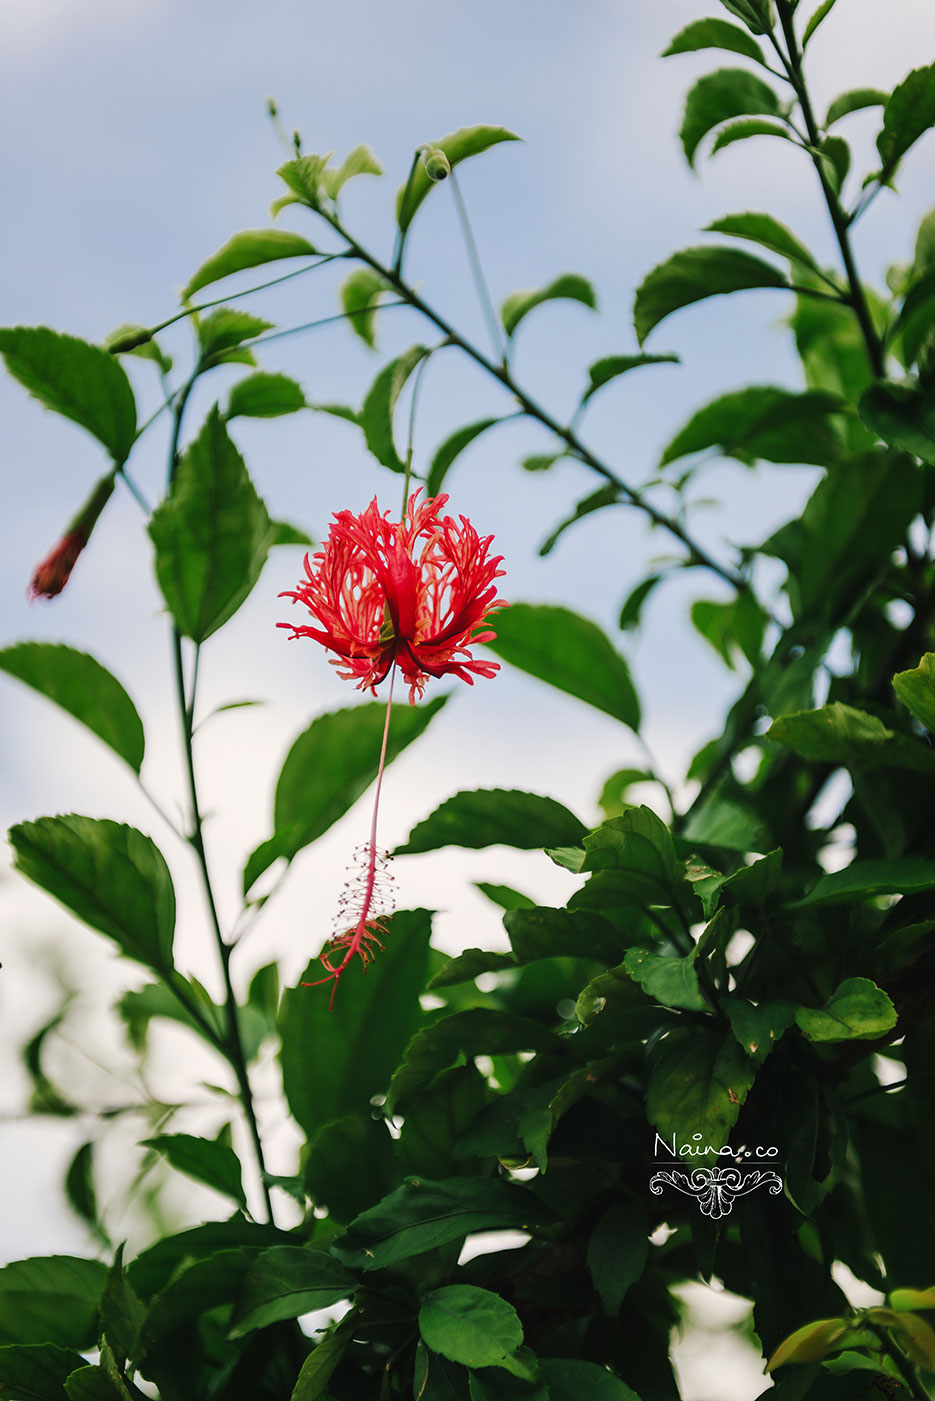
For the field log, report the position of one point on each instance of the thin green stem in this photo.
(906, 1369)
(696, 552)
(792, 64)
(313, 325)
(232, 1046)
(477, 271)
(247, 292)
(134, 490)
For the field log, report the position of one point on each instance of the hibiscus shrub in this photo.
(677, 1074)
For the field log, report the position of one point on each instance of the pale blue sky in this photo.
(135, 142)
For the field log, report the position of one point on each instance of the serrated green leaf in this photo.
(376, 415)
(824, 9)
(36, 1371)
(422, 1215)
(474, 1032)
(452, 448)
(109, 875)
(767, 232)
(469, 1325)
(52, 1299)
(212, 534)
(698, 1084)
(570, 287)
(287, 1281)
(83, 688)
(362, 1040)
(764, 423)
(902, 415)
(603, 371)
(303, 175)
(494, 816)
(570, 653)
(250, 249)
(717, 97)
(714, 34)
(915, 688)
(223, 332)
(856, 1010)
(693, 275)
(743, 130)
(327, 769)
(360, 294)
(757, 1029)
(75, 379)
(458, 146)
(671, 981)
(542, 932)
(206, 1160)
(839, 734)
(263, 395)
(360, 161)
(758, 15)
(856, 100)
(908, 114)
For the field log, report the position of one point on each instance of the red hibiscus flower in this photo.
(415, 593)
(52, 574)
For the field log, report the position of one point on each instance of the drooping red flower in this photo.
(416, 592)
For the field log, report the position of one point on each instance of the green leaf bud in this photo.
(436, 163)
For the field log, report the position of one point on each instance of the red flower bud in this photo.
(52, 574)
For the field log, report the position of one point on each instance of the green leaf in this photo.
(694, 274)
(541, 462)
(79, 1190)
(249, 249)
(318, 1367)
(730, 92)
(451, 449)
(83, 688)
(36, 1371)
(915, 688)
(287, 1281)
(856, 100)
(570, 653)
(195, 1288)
(437, 1118)
(570, 1379)
(360, 161)
(477, 1031)
(282, 534)
(52, 1299)
(763, 423)
(327, 769)
(422, 1215)
(737, 625)
(857, 1010)
(469, 1325)
(356, 1046)
(757, 1029)
(835, 157)
(853, 520)
(376, 415)
(505, 896)
(617, 1252)
(766, 231)
(908, 114)
(603, 371)
(212, 534)
(121, 1311)
(493, 1383)
(714, 34)
(303, 175)
(349, 1165)
(742, 131)
(810, 1343)
(492, 817)
(752, 885)
(698, 1084)
(360, 294)
(109, 875)
(824, 9)
(608, 495)
(221, 334)
(904, 1300)
(839, 734)
(570, 287)
(458, 146)
(866, 880)
(671, 981)
(469, 965)
(902, 415)
(263, 395)
(758, 15)
(138, 1007)
(631, 610)
(75, 379)
(206, 1160)
(542, 932)
(637, 845)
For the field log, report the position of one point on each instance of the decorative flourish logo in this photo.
(715, 1187)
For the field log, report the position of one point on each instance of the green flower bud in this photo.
(436, 163)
